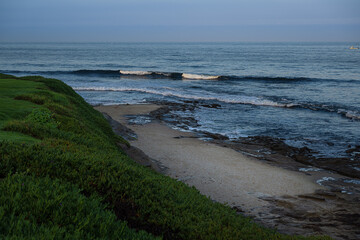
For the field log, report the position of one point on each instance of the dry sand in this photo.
(221, 173)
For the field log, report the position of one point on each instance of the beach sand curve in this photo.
(221, 173)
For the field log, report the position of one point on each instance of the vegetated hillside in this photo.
(63, 176)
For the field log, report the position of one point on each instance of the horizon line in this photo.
(254, 41)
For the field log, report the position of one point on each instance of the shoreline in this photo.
(267, 148)
(255, 188)
(159, 141)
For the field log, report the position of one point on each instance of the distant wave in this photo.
(237, 100)
(199, 77)
(172, 75)
(191, 76)
(248, 100)
(348, 113)
(140, 73)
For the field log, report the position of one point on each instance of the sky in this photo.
(179, 20)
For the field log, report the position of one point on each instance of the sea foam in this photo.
(249, 100)
(199, 76)
(140, 73)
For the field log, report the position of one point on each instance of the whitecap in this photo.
(199, 76)
(352, 115)
(139, 73)
(349, 114)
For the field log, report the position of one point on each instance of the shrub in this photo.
(42, 116)
(43, 208)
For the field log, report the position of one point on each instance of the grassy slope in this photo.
(62, 175)
(11, 108)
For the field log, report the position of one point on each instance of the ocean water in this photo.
(305, 93)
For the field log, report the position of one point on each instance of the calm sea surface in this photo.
(306, 93)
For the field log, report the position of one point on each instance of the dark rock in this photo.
(120, 129)
(160, 112)
(191, 101)
(312, 196)
(136, 154)
(216, 136)
(141, 158)
(343, 166)
(300, 215)
(349, 218)
(325, 193)
(315, 219)
(354, 149)
(214, 105)
(301, 158)
(238, 209)
(180, 137)
(304, 155)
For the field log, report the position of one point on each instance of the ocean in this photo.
(307, 94)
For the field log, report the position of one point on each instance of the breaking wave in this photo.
(171, 75)
(348, 113)
(191, 76)
(248, 100)
(200, 77)
(140, 73)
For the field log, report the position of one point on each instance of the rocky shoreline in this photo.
(334, 211)
(265, 145)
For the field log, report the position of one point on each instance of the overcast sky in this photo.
(179, 20)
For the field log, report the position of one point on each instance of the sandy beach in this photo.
(221, 173)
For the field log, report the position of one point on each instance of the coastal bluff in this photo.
(64, 176)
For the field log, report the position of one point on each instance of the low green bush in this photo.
(43, 208)
(42, 116)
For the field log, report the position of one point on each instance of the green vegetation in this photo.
(43, 208)
(63, 176)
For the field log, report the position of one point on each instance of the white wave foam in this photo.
(140, 73)
(354, 181)
(199, 77)
(352, 115)
(349, 114)
(237, 100)
(324, 179)
(165, 74)
(290, 105)
(310, 169)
